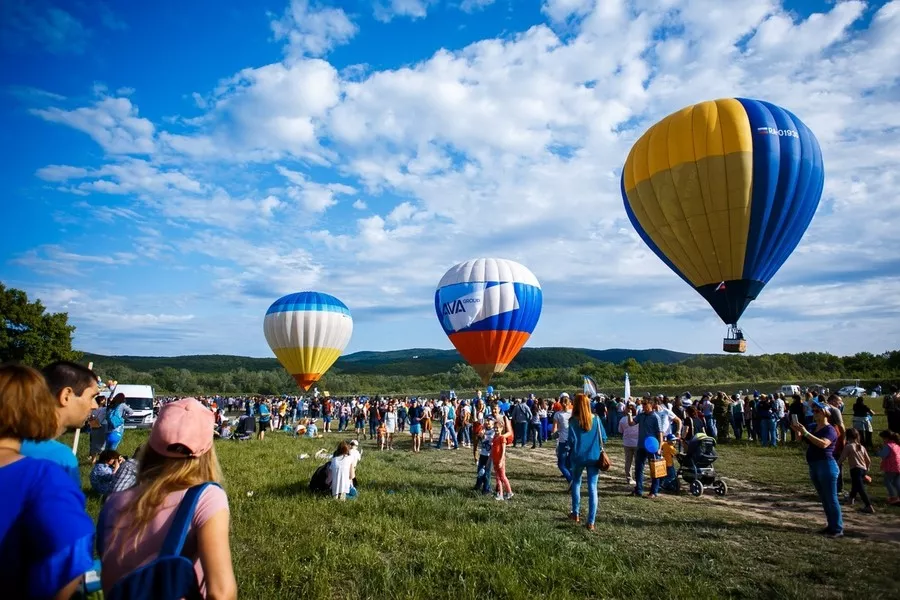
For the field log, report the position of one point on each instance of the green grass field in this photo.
(418, 531)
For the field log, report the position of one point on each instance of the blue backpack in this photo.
(170, 576)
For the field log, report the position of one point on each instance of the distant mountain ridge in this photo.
(412, 361)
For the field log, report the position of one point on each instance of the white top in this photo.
(561, 420)
(630, 433)
(340, 474)
(356, 455)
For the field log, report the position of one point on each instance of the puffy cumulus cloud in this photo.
(513, 147)
(311, 30)
(112, 122)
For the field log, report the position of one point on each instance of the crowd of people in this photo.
(165, 500)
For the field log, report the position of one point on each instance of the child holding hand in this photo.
(498, 458)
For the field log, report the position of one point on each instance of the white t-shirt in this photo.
(356, 455)
(667, 418)
(561, 420)
(340, 474)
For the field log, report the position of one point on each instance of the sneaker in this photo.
(836, 535)
(499, 497)
(508, 496)
(868, 509)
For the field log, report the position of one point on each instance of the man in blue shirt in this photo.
(75, 389)
(650, 424)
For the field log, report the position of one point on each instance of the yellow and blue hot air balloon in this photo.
(722, 192)
(308, 331)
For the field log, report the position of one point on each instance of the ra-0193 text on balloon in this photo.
(781, 132)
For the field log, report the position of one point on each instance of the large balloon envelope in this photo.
(722, 192)
(308, 331)
(488, 308)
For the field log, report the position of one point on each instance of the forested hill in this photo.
(414, 361)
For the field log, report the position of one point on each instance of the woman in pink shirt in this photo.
(178, 456)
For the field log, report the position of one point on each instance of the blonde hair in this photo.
(581, 411)
(158, 476)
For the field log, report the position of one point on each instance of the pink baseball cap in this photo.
(183, 429)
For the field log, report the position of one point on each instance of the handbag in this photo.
(657, 467)
(603, 462)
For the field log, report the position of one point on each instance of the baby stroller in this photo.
(696, 466)
(245, 428)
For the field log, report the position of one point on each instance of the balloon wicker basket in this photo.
(734, 341)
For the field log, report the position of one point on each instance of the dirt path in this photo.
(764, 504)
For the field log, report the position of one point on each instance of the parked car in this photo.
(851, 391)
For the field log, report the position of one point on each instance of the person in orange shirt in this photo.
(670, 451)
(498, 458)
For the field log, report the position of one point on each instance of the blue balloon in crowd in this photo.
(490, 390)
(651, 445)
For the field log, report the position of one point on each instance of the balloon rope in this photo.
(755, 343)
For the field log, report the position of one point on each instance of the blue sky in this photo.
(172, 168)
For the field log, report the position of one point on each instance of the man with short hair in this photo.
(75, 389)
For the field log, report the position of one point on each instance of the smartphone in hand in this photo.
(795, 420)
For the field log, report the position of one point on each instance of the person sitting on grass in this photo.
(104, 470)
(126, 475)
(341, 473)
(312, 430)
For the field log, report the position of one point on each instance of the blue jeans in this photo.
(520, 430)
(562, 460)
(737, 423)
(446, 430)
(671, 478)
(593, 473)
(711, 429)
(483, 482)
(767, 437)
(824, 476)
(640, 460)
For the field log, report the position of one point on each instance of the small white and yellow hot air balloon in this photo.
(307, 331)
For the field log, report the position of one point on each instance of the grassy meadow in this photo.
(418, 531)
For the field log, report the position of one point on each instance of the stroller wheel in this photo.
(720, 488)
(696, 488)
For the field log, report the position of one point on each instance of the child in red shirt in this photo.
(498, 457)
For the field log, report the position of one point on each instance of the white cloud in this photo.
(474, 5)
(111, 122)
(386, 10)
(513, 147)
(312, 30)
(314, 197)
(54, 260)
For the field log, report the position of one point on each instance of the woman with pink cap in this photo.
(135, 523)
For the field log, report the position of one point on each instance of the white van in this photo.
(790, 390)
(140, 399)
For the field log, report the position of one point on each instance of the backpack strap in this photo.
(178, 531)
